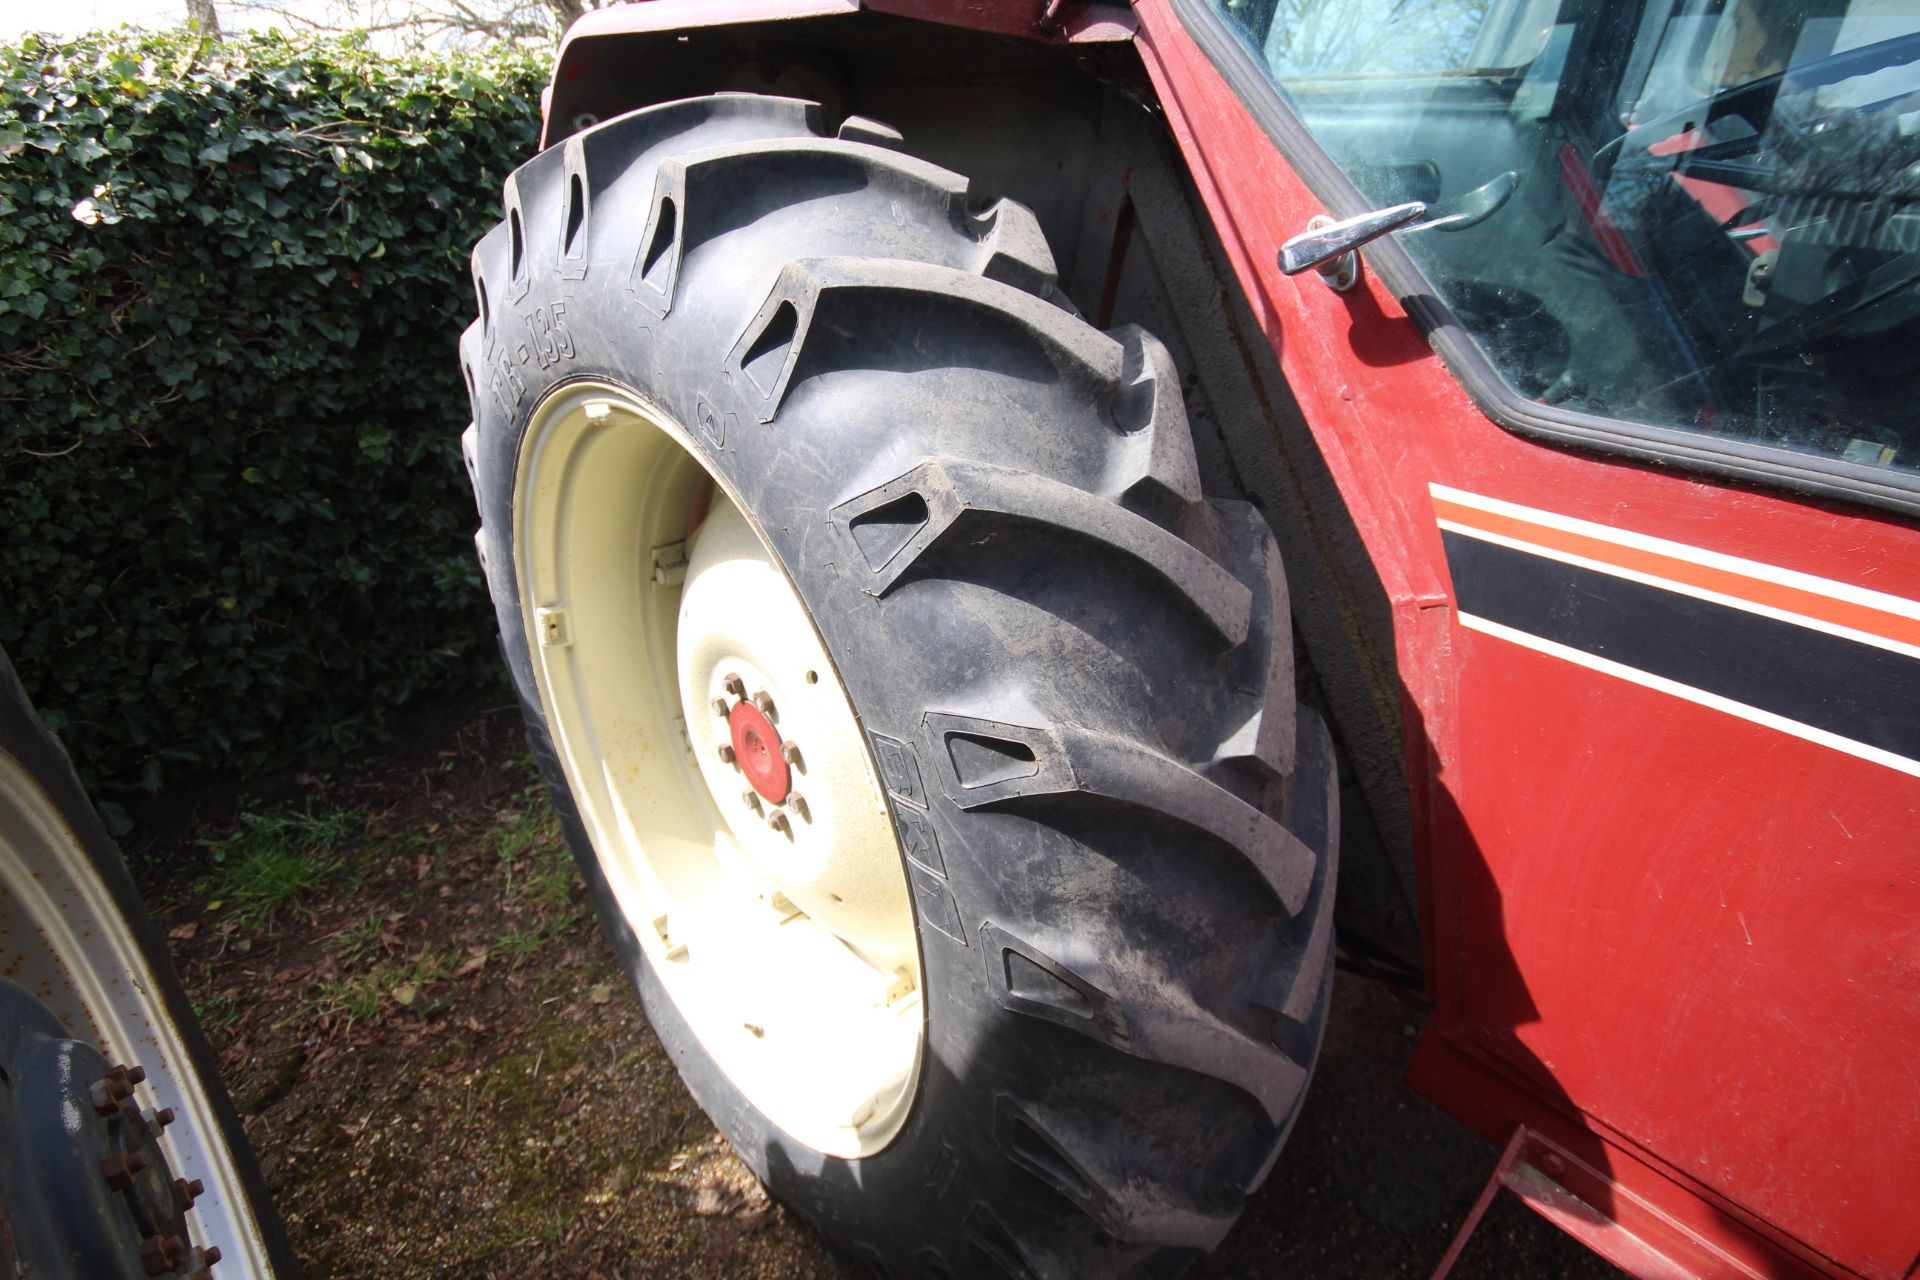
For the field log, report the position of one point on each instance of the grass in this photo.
(360, 941)
(343, 1001)
(272, 860)
(218, 1011)
(536, 873)
(533, 836)
(523, 941)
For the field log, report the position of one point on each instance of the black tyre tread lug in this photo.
(573, 248)
(473, 350)
(488, 267)
(942, 191)
(1006, 244)
(873, 132)
(1075, 1164)
(1311, 804)
(1155, 472)
(1264, 743)
(616, 151)
(517, 269)
(1144, 1012)
(814, 285)
(1068, 759)
(1018, 253)
(470, 455)
(956, 493)
(1002, 1250)
(616, 146)
(1016, 248)
(482, 537)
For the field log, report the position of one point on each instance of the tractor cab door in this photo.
(1628, 425)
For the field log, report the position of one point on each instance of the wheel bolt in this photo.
(210, 1255)
(163, 1117)
(726, 754)
(798, 804)
(720, 707)
(185, 1193)
(765, 702)
(790, 753)
(778, 821)
(736, 686)
(752, 799)
(158, 1254)
(120, 1167)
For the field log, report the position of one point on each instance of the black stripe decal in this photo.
(1858, 691)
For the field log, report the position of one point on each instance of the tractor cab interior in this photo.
(1698, 215)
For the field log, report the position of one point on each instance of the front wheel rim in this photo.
(66, 941)
(730, 798)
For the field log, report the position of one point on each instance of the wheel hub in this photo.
(82, 1164)
(757, 751)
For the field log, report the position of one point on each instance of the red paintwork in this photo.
(1541, 1173)
(756, 749)
(1681, 949)
(1680, 945)
(1073, 23)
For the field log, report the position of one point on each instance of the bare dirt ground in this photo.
(446, 1075)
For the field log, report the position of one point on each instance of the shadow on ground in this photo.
(445, 1075)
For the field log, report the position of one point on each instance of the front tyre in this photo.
(926, 737)
(120, 1152)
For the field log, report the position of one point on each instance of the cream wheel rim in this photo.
(64, 939)
(725, 785)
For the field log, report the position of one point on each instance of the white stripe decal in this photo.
(1682, 588)
(1681, 551)
(1700, 697)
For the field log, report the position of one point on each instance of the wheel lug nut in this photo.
(735, 686)
(720, 708)
(163, 1117)
(726, 754)
(778, 820)
(120, 1167)
(752, 799)
(797, 803)
(765, 702)
(790, 753)
(185, 1193)
(158, 1254)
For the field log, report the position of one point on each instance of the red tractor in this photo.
(990, 501)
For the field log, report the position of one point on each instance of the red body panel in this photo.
(1684, 944)
(1681, 946)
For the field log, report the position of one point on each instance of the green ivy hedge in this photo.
(234, 525)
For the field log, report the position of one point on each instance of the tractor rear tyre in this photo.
(926, 737)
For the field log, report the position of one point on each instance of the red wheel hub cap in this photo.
(756, 749)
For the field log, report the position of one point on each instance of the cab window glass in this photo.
(1697, 214)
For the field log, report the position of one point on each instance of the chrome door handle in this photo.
(1328, 246)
